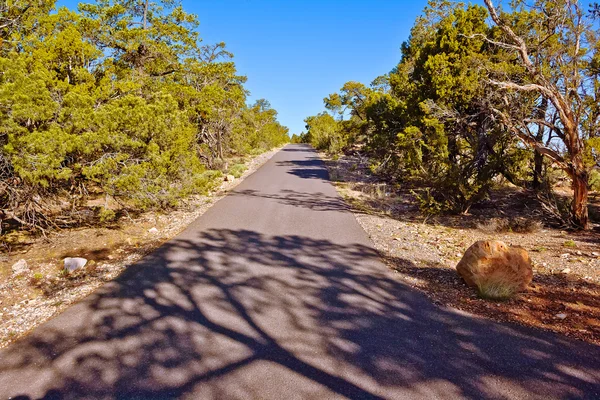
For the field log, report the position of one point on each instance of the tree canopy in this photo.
(119, 98)
(480, 92)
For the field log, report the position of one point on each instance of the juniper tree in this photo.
(556, 56)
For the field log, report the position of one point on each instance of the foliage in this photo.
(472, 100)
(117, 99)
(324, 133)
(237, 170)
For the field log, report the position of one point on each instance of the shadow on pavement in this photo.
(312, 201)
(225, 313)
(311, 168)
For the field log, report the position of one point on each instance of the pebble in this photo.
(566, 271)
(153, 231)
(74, 263)
(20, 267)
(561, 316)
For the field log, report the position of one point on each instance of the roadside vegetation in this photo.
(486, 130)
(481, 96)
(114, 108)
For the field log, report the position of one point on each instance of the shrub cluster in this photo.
(117, 99)
(480, 93)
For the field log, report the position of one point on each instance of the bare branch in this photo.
(519, 42)
(532, 142)
(487, 39)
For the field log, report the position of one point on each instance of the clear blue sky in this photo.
(295, 52)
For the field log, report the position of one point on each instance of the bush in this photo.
(428, 204)
(208, 181)
(324, 133)
(106, 215)
(237, 170)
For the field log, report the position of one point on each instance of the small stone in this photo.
(74, 263)
(594, 254)
(229, 178)
(20, 267)
(579, 253)
(566, 271)
(561, 316)
(153, 231)
(565, 255)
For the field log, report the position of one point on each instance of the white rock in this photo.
(153, 231)
(561, 316)
(229, 178)
(566, 271)
(595, 254)
(565, 255)
(20, 267)
(579, 253)
(74, 263)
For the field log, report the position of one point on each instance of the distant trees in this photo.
(116, 99)
(480, 93)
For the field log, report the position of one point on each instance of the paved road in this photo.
(277, 293)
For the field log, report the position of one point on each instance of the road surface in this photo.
(277, 293)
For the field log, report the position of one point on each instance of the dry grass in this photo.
(498, 287)
(515, 224)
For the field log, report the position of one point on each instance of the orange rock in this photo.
(495, 269)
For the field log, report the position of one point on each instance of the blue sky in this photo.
(295, 52)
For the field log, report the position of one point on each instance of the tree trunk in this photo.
(220, 145)
(580, 198)
(145, 23)
(538, 158)
(579, 174)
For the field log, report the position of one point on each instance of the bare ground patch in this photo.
(565, 294)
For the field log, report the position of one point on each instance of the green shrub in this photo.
(106, 215)
(208, 181)
(237, 170)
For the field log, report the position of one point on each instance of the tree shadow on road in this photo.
(315, 201)
(237, 314)
(310, 168)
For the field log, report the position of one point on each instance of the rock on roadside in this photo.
(20, 267)
(496, 269)
(74, 263)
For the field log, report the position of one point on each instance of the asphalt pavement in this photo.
(276, 292)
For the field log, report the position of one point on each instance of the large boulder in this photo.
(498, 271)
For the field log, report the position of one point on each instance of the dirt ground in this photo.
(29, 299)
(565, 294)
